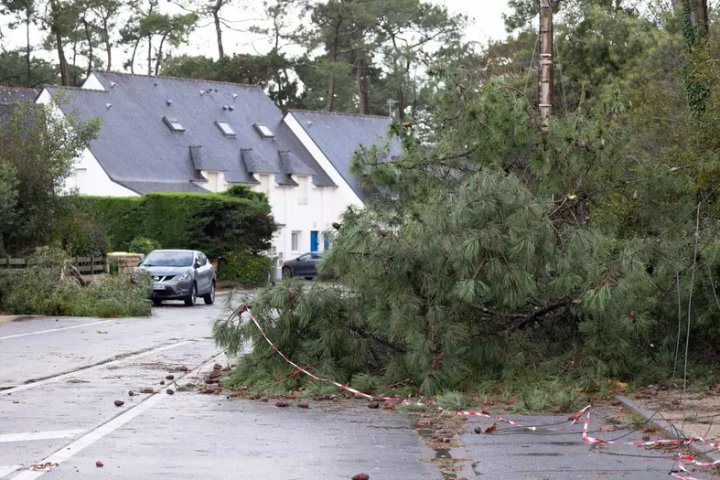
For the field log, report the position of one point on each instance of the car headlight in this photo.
(183, 277)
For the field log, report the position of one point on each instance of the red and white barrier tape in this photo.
(680, 462)
(346, 388)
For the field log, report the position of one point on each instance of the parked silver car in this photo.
(179, 275)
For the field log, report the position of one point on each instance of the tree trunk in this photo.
(159, 58)
(88, 37)
(149, 55)
(108, 45)
(55, 29)
(132, 58)
(362, 86)
(27, 47)
(330, 103)
(545, 72)
(218, 29)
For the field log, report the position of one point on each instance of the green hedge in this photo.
(214, 223)
(245, 269)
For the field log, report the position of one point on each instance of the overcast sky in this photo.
(486, 14)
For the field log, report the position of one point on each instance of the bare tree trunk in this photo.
(159, 58)
(149, 55)
(330, 103)
(55, 29)
(132, 58)
(545, 73)
(218, 29)
(88, 37)
(27, 47)
(108, 44)
(362, 86)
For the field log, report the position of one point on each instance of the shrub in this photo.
(143, 245)
(213, 223)
(245, 268)
(40, 289)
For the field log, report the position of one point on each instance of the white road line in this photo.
(85, 441)
(7, 469)
(28, 386)
(40, 332)
(31, 436)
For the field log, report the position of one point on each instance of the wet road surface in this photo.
(58, 418)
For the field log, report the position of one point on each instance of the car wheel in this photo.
(192, 298)
(287, 272)
(157, 302)
(210, 297)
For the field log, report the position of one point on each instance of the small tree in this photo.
(38, 148)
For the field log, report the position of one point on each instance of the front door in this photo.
(314, 240)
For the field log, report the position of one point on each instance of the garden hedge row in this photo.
(217, 224)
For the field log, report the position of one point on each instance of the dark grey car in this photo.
(180, 275)
(303, 266)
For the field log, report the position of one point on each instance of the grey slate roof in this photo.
(339, 135)
(10, 95)
(136, 148)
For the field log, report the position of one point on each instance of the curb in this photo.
(667, 428)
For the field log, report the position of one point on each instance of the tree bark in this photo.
(330, 103)
(108, 45)
(545, 73)
(218, 30)
(362, 86)
(55, 29)
(88, 37)
(27, 47)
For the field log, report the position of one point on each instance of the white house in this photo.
(161, 134)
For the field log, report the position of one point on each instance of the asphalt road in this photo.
(60, 378)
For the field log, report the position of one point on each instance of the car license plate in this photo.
(159, 286)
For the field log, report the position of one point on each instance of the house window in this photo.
(173, 124)
(77, 180)
(303, 189)
(263, 130)
(295, 240)
(225, 128)
(264, 179)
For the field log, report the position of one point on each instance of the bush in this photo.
(214, 223)
(245, 268)
(39, 289)
(143, 245)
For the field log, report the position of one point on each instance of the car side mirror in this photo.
(197, 263)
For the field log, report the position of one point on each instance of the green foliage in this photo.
(213, 223)
(143, 245)
(37, 150)
(245, 268)
(40, 289)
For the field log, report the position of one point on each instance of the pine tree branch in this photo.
(382, 341)
(539, 313)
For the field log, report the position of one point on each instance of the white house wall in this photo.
(324, 206)
(89, 178)
(346, 195)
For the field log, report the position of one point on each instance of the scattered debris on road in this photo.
(99, 464)
(119, 403)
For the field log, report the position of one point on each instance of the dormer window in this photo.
(173, 124)
(225, 128)
(263, 130)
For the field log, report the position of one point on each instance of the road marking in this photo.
(88, 439)
(63, 376)
(40, 332)
(31, 436)
(7, 469)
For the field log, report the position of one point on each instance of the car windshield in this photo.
(168, 259)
